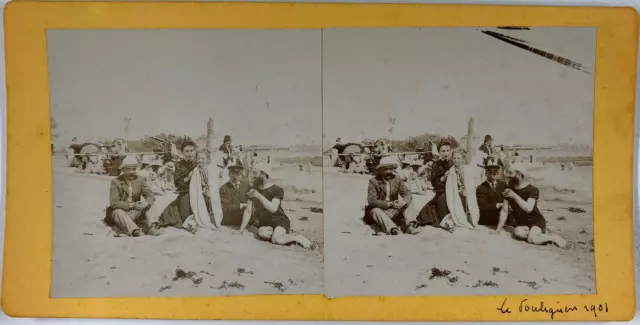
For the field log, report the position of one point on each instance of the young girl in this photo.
(203, 194)
(460, 194)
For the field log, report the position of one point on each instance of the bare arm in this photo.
(246, 216)
(527, 205)
(504, 213)
(271, 206)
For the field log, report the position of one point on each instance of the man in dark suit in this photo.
(494, 208)
(388, 198)
(233, 197)
(126, 209)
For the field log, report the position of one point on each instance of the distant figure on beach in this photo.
(387, 200)
(127, 210)
(494, 208)
(562, 169)
(265, 201)
(486, 146)
(227, 149)
(523, 199)
(531, 159)
(570, 168)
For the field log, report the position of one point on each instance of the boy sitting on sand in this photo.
(523, 198)
(265, 200)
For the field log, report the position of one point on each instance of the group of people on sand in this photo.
(482, 190)
(213, 193)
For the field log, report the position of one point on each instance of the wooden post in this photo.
(470, 136)
(210, 145)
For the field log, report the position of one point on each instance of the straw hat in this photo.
(129, 162)
(521, 168)
(265, 168)
(387, 161)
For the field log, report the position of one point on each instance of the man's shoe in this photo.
(136, 233)
(413, 229)
(154, 230)
(395, 232)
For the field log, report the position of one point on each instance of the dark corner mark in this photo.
(523, 45)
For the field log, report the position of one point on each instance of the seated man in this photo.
(265, 201)
(233, 196)
(126, 210)
(388, 197)
(523, 198)
(494, 208)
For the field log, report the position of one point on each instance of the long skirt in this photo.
(176, 212)
(434, 211)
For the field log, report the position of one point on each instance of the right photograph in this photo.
(458, 161)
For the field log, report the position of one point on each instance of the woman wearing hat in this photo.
(523, 198)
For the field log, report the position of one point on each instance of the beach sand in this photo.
(88, 261)
(435, 262)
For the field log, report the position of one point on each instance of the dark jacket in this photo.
(119, 192)
(183, 168)
(486, 149)
(438, 169)
(487, 199)
(227, 150)
(230, 198)
(377, 192)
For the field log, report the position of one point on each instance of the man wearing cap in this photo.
(494, 208)
(388, 198)
(233, 197)
(265, 200)
(523, 199)
(126, 209)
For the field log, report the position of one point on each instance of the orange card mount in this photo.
(27, 274)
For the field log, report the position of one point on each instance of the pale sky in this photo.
(434, 79)
(174, 80)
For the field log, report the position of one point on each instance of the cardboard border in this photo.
(28, 236)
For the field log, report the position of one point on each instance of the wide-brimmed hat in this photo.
(237, 164)
(263, 167)
(129, 162)
(491, 163)
(521, 168)
(387, 161)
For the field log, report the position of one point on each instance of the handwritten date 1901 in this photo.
(526, 307)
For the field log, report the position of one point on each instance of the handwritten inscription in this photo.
(527, 306)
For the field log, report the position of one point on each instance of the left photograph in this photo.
(186, 162)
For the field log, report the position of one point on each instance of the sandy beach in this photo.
(88, 261)
(436, 262)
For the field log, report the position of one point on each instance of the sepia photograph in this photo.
(186, 162)
(458, 161)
